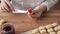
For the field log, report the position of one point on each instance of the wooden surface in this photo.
(23, 23)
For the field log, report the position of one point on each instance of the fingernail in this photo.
(30, 11)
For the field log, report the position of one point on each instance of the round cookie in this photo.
(43, 31)
(57, 28)
(58, 32)
(52, 33)
(37, 33)
(54, 24)
(48, 26)
(41, 28)
(50, 30)
(34, 31)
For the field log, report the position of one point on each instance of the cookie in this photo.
(54, 24)
(58, 32)
(57, 28)
(50, 30)
(52, 33)
(43, 31)
(48, 26)
(41, 28)
(34, 31)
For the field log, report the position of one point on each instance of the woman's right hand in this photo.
(5, 6)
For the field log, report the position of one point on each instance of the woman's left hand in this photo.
(36, 13)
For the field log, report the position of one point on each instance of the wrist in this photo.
(40, 8)
(44, 7)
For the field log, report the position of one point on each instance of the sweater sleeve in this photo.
(49, 3)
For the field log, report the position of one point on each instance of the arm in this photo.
(48, 4)
(45, 6)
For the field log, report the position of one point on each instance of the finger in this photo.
(35, 15)
(39, 14)
(4, 4)
(2, 7)
(31, 15)
(1, 10)
(9, 5)
(8, 8)
(29, 11)
(5, 8)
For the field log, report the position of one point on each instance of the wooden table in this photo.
(23, 23)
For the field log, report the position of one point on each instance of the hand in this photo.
(36, 13)
(6, 6)
(33, 14)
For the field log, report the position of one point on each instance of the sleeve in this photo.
(49, 3)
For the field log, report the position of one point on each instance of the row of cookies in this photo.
(48, 29)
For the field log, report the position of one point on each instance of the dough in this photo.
(2, 21)
(50, 30)
(35, 31)
(48, 26)
(41, 28)
(43, 31)
(57, 28)
(54, 24)
(58, 32)
(52, 33)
